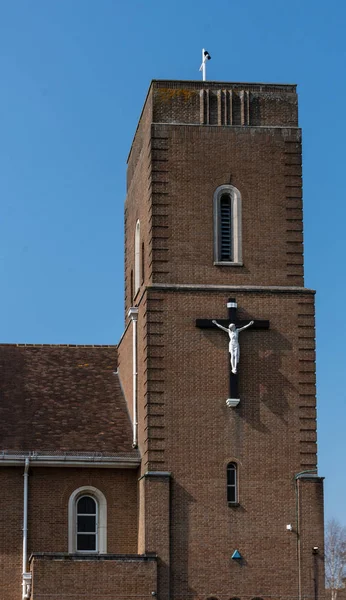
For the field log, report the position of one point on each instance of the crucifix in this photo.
(232, 326)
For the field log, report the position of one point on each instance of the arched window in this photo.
(87, 521)
(137, 257)
(131, 286)
(86, 527)
(142, 263)
(232, 483)
(227, 226)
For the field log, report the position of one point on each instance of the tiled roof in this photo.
(62, 399)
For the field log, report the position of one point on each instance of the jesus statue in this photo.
(233, 346)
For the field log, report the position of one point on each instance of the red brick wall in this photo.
(191, 102)
(11, 523)
(265, 435)
(50, 489)
(265, 166)
(137, 205)
(157, 523)
(49, 492)
(67, 579)
(310, 498)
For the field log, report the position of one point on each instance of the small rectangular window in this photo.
(232, 493)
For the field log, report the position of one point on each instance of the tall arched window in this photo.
(142, 264)
(86, 526)
(137, 257)
(131, 286)
(232, 483)
(87, 521)
(227, 226)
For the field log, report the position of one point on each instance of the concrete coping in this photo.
(65, 556)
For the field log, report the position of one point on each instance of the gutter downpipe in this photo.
(26, 577)
(133, 315)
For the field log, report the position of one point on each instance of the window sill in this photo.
(228, 264)
(233, 504)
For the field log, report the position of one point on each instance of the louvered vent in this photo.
(226, 253)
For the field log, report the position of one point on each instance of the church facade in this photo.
(182, 462)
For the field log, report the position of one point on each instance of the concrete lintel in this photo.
(155, 474)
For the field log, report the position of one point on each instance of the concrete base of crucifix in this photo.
(232, 402)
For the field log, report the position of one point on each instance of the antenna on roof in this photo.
(205, 56)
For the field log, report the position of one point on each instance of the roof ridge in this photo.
(59, 345)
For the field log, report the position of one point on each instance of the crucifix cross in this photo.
(232, 326)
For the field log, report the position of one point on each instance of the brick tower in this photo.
(229, 496)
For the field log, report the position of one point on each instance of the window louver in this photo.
(225, 228)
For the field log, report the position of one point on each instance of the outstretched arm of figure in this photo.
(220, 326)
(246, 326)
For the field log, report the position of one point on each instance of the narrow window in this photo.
(131, 286)
(142, 261)
(87, 521)
(232, 491)
(227, 226)
(137, 257)
(86, 528)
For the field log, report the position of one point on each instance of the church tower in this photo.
(229, 495)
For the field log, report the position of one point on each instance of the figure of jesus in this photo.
(233, 346)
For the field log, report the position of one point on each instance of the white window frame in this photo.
(236, 233)
(101, 520)
(137, 269)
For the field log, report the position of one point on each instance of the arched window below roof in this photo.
(87, 521)
(86, 526)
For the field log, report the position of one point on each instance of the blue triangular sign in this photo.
(236, 555)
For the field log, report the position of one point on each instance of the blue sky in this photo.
(74, 75)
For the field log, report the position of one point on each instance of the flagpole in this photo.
(205, 56)
(204, 69)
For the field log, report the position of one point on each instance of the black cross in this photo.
(232, 318)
